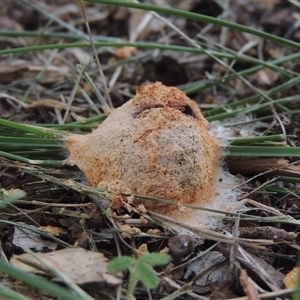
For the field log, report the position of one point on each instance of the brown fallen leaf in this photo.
(253, 166)
(267, 77)
(249, 288)
(142, 23)
(291, 278)
(211, 268)
(79, 265)
(258, 267)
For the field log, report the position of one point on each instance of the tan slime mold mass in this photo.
(157, 144)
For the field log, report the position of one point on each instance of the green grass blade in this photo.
(7, 293)
(260, 139)
(213, 114)
(59, 35)
(201, 18)
(263, 151)
(261, 107)
(32, 129)
(106, 44)
(147, 45)
(288, 179)
(50, 163)
(14, 142)
(229, 54)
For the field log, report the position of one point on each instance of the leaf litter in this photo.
(87, 225)
(79, 265)
(26, 239)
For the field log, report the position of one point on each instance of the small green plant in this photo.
(140, 269)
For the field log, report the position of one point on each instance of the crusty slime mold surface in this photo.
(157, 144)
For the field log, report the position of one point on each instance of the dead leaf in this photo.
(254, 166)
(291, 278)
(266, 272)
(249, 288)
(79, 265)
(267, 77)
(55, 231)
(27, 239)
(142, 23)
(209, 269)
